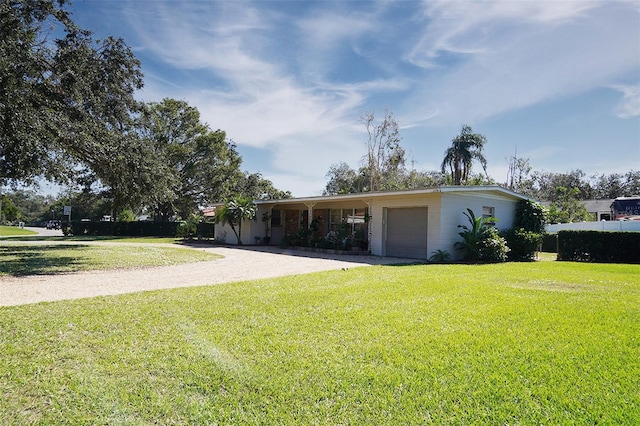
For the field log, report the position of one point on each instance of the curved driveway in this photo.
(238, 264)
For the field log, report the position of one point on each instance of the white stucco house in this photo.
(410, 224)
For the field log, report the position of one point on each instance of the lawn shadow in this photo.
(25, 260)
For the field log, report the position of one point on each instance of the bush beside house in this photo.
(480, 242)
(527, 234)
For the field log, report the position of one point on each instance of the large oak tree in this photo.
(67, 105)
(204, 165)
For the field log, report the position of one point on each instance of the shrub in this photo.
(338, 239)
(189, 227)
(492, 247)
(599, 246)
(341, 238)
(471, 236)
(550, 243)
(481, 242)
(205, 230)
(126, 215)
(523, 244)
(440, 256)
(297, 238)
(530, 216)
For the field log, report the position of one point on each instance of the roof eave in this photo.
(370, 195)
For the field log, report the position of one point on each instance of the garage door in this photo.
(407, 232)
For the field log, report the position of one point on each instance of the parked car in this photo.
(53, 224)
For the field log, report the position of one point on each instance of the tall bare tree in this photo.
(385, 157)
(519, 169)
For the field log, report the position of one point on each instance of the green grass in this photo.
(137, 240)
(531, 343)
(14, 230)
(37, 259)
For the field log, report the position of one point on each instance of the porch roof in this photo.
(362, 196)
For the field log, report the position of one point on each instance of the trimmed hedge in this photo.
(599, 246)
(126, 229)
(205, 230)
(550, 243)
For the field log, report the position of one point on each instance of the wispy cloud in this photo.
(253, 90)
(508, 55)
(629, 106)
(291, 78)
(461, 27)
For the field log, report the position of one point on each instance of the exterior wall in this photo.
(277, 232)
(455, 204)
(250, 229)
(291, 219)
(378, 218)
(321, 216)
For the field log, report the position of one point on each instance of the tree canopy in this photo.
(65, 99)
(256, 187)
(68, 115)
(202, 165)
(542, 185)
(67, 106)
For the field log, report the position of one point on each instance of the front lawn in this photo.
(530, 343)
(9, 231)
(119, 239)
(38, 259)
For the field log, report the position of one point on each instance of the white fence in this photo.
(610, 225)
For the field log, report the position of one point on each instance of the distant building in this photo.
(598, 209)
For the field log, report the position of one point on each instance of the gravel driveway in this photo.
(238, 264)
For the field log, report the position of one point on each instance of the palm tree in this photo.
(234, 212)
(465, 148)
(472, 236)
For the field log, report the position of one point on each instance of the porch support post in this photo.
(369, 230)
(267, 223)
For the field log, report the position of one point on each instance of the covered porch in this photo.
(316, 223)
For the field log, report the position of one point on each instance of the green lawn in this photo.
(38, 259)
(529, 343)
(137, 240)
(7, 231)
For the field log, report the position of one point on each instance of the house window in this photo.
(488, 212)
(335, 219)
(354, 218)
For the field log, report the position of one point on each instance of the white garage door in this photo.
(407, 232)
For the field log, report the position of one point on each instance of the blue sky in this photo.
(288, 80)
